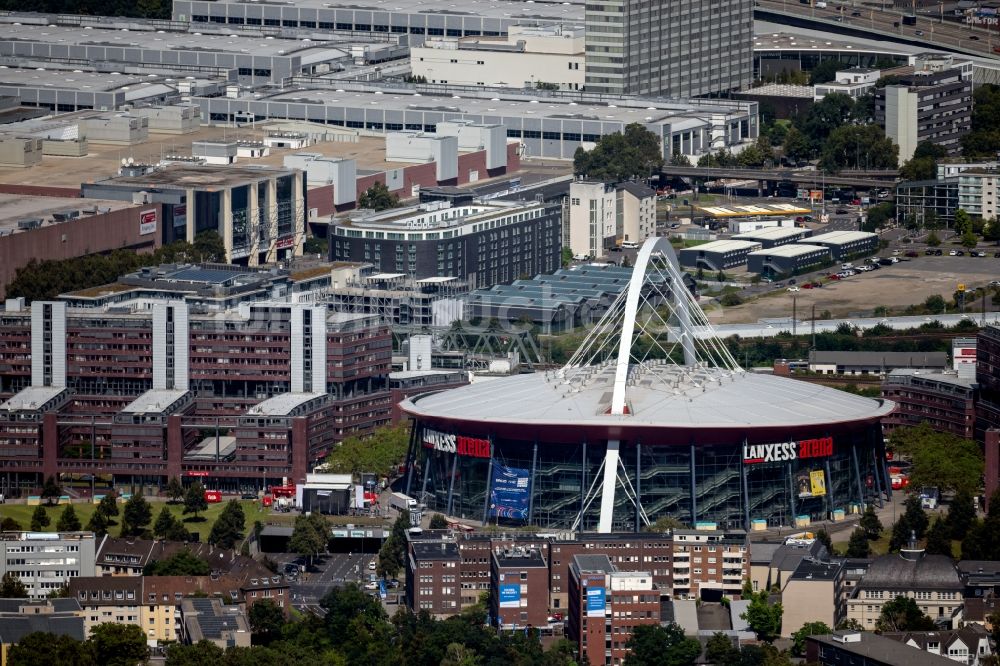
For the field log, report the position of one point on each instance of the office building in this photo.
(718, 255)
(20, 617)
(873, 363)
(46, 562)
(519, 585)
(787, 260)
(242, 398)
(846, 244)
(922, 200)
(988, 379)
(678, 49)
(775, 236)
(945, 400)
(605, 607)
(481, 244)
(855, 82)
(709, 564)
(863, 648)
(932, 581)
(978, 191)
(432, 577)
(527, 57)
(813, 593)
(934, 106)
(258, 213)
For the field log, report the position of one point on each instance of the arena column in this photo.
(829, 489)
(638, 483)
(746, 491)
(583, 484)
(857, 476)
(489, 482)
(791, 493)
(451, 482)
(531, 492)
(609, 485)
(411, 456)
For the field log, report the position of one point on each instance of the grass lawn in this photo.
(22, 514)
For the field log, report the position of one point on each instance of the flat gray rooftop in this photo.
(183, 176)
(75, 80)
(21, 207)
(511, 104)
(171, 41)
(570, 10)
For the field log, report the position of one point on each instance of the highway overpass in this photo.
(804, 177)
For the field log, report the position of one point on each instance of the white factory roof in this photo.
(771, 233)
(791, 250)
(754, 210)
(79, 81)
(568, 10)
(665, 396)
(724, 246)
(497, 105)
(283, 404)
(32, 397)
(838, 237)
(172, 41)
(154, 401)
(437, 279)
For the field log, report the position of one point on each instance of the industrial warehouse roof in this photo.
(661, 395)
(791, 250)
(568, 10)
(723, 246)
(771, 233)
(841, 237)
(753, 210)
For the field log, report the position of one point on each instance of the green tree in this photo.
(825, 71)
(136, 515)
(181, 563)
(616, 157)
(858, 546)
(175, 489)
(55, 650)
(164, 521)
(393, 552)
(796, 145)
(98, 523)
(938, 538)
(347, 603)
(266, 620)
(229, 526)
(903, 614)
(68, 521)
(119, 644)
(961, 513)
(380, 453)
(720, 651)
(963, 222)
(763, 617)
(208, 247)
(678, 159)
(991, 231)
(201, 653)
(39, 519)
(918, 168)
(663, 524)
(108, 507)
(870, 524)
(51, 491)
(824, 538)
(858, 146)
(932, 239)
(377, 198)
(808, 629)
(8, 524)
(567, 256)
(652, 645)
(939, 459)
(438, 522)
(935, 304)
(969, 240)
(11, 587)
(194, 500)
(305, 540)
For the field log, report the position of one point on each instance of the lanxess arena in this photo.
(623, 435)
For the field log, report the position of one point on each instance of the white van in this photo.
(629, 245)
(820, 4)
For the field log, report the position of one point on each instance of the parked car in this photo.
(842, 211)
(937, 253)
(929, 252)
(997, 255)
(834, 276)
(855, 13)
(371, 565)
(952, 253)
(807, 285)
(616, 248)
(793, 288)
(911, 253)
(959, 253)
(974, 38)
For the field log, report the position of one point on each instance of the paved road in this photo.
(943, 34)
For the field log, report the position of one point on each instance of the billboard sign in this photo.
(810, 483)
(511, 492)
(510, 596)
(147, 222)
(449, 443)
(597, 601)
(787, 451)
(285, 242)
(180, 215)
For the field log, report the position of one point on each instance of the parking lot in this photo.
(330, 570)
(909, 282)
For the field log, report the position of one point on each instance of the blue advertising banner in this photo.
(510, 596)
(510, 493)
(596, 601)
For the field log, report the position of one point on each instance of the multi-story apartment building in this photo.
(602, 215)
(46, 562)
(988, 379)
(433, 581)
(931, 580)
(709, 564)
(813, 593)
(978, 191)
(482, 244)
(931, 104)
(944, 399)
(605, 606)
(519, 592)
(681, 49)
(243, 397)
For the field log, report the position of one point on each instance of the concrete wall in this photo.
(117, 129)
(76, 148)
(86, 235)
(173, 119)
(512, 69)
(807, 601)
(420, 147)
(20, 152)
